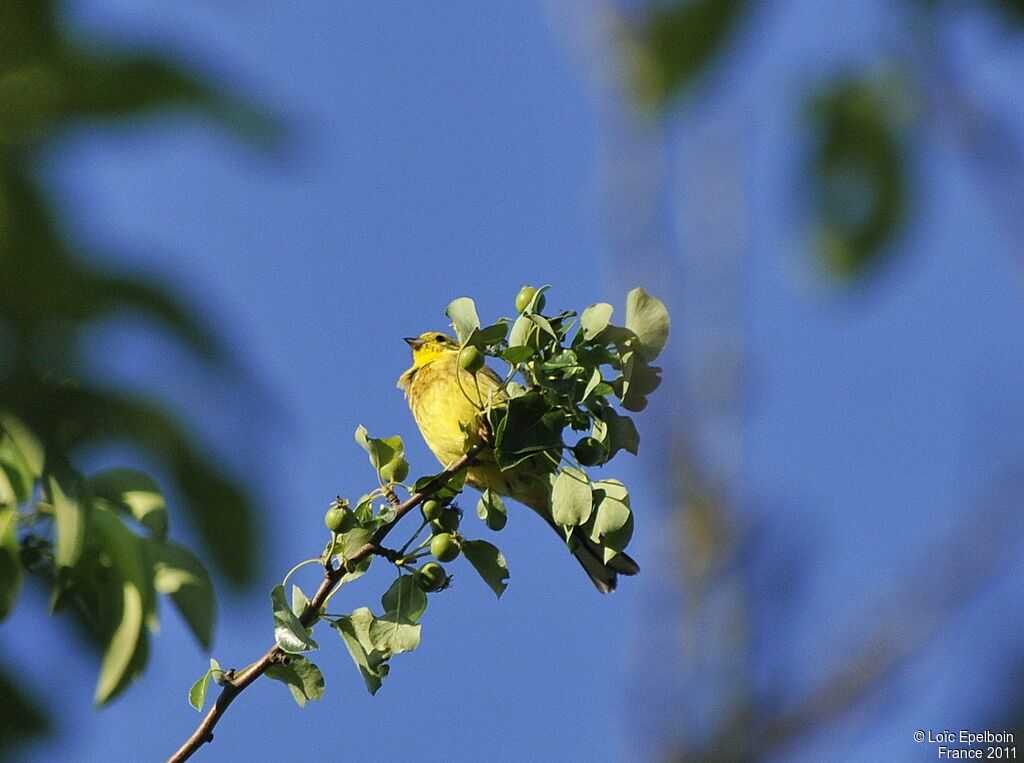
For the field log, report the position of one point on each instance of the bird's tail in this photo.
(590, 555)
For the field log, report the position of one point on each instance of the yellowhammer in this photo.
(446, 401)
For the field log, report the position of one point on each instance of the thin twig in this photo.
(311, 613)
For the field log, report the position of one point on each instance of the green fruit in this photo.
(431, 509)
(589, 452)
(334, 519)
(395, 470)
(444, 547)
(431, 577)
(525, 296)
(471, 359)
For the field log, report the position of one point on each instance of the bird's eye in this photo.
(439, 338)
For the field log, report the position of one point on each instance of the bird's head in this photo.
(430, 346)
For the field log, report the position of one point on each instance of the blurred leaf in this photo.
(22, 717)
(179, 574)
(10, 560)
(220, 507)
(462, 312)
(135, 494)
(405, 599)
(571, 499)
(16, 471)
(125, 552)
(861, 183)
(291, 635)
(302, 677)
(118, 658)
(63, 489)
(489, 562)
(671, 46)
(29, 446)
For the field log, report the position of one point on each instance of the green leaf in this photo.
(119, 655)
(638, 381)
(529, 426)
(405, 599)
(571, 499)
(291, 635)
(134, 493)
(197, 694)
(489, 562)
(351, 541)
(647, 317)
(520, 334)
(612, 512)
(19, 478)
(451, 488)
(517, 354)
(10, 560)
(382, 451)
(592, 384)
(179, 574)
(299, 601)
(63, 487)
(462, 312)
(302, 677)
(491, 509)
(488, 337)
(354, 630)
(393, 634)
(616, 432)
(595, 319)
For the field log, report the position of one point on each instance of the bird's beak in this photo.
(413, 342)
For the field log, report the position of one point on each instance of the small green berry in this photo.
(334, 519)
(431, 577)
(471, 359)
(431, 509)
(525, 296)
(589, 452)
(444, 547)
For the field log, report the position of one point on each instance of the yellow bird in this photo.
(444, 400)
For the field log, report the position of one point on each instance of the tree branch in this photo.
(240, 681)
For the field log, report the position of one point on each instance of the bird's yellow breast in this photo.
(446, 413)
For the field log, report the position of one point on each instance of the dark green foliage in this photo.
(100, 542)
(672, 44)
(860, 173)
